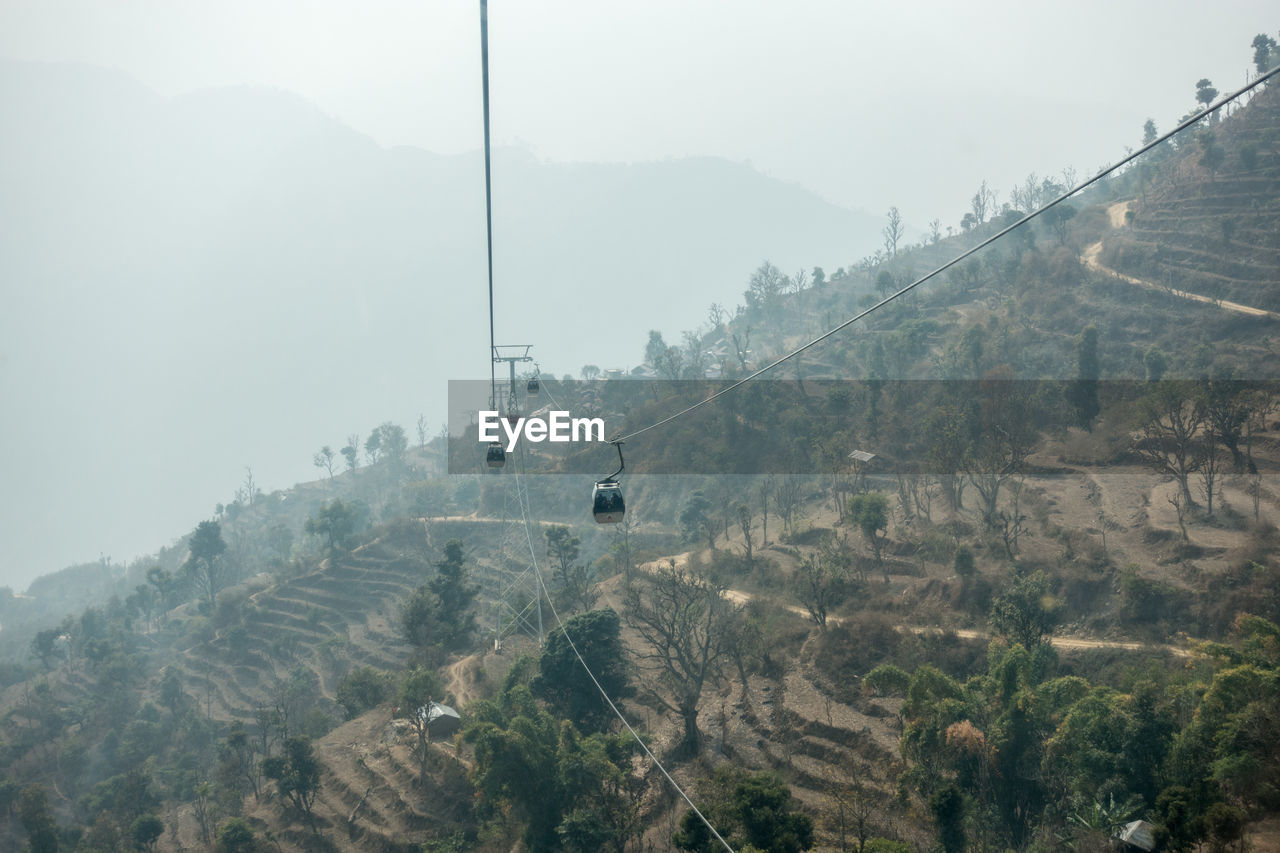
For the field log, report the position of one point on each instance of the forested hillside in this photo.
(1042, 606)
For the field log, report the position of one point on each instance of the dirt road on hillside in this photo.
(1116, 214)
(741, 597)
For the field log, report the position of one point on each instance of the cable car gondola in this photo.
(607, 504)
(495, 456)
(533, 386)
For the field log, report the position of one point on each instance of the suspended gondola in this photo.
(607, 503)
(496, 455)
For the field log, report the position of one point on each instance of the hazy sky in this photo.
(869, 104)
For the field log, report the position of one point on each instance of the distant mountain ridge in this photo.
(233, 278)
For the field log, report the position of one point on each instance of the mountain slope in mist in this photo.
(231, 278)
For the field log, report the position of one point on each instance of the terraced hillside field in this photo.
(1209, 225)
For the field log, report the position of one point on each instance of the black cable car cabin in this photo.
(533, 387)
(495, 456)
(607, 504)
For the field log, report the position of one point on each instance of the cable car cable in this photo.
(1208, 110)
(488, 192)
(533, 559)
(522, 495)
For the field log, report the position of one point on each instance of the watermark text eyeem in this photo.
(556, 426)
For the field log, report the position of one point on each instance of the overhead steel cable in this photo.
(488, 192)
(533, 560)
(521, 494)
(1196, 117)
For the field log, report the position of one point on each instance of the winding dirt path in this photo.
(741, 597)
(1116, 214)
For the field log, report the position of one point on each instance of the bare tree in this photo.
(767, 487)
(1172, 417)
(799, 281)
(742, 515)
(893, 232)
(623, 554)
(983, 203)
(1023, 196)
(351, 451)
(325, 459)
(688, 626)
(741, 346)
(1179, 505)
(820, 585)
(1228, 407)
(851, 811)
(788, 497)
(695, 357)
(1209, 465)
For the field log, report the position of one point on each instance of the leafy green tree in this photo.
(1156, 363)
(204, 560)
(871, 513)
(1083, 392)
(750, 810)
(986, 738)
(1231, 749)
(335, 523)
(1178, 826)
(420, 620)
(563, 682)
(236, 836)
(296, 773)
(361, 689)
(1205, 92)
(570, 792)
(37, 819)
(563, 548)
(145, 832)
(373, 447)
(764, 288)
(417, 690)
(44, 646)
(885, 283)
(392, 443)
(165, 586)
(1025, 612)
(1212, 155)
(655, 348)
(351, 452)
(948, 808)
(125, 797)
(456, 596)
(1149, 132)
(1056, 218)
(1264, 52)
(171, 690)
(238, 766)
(696, 519)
